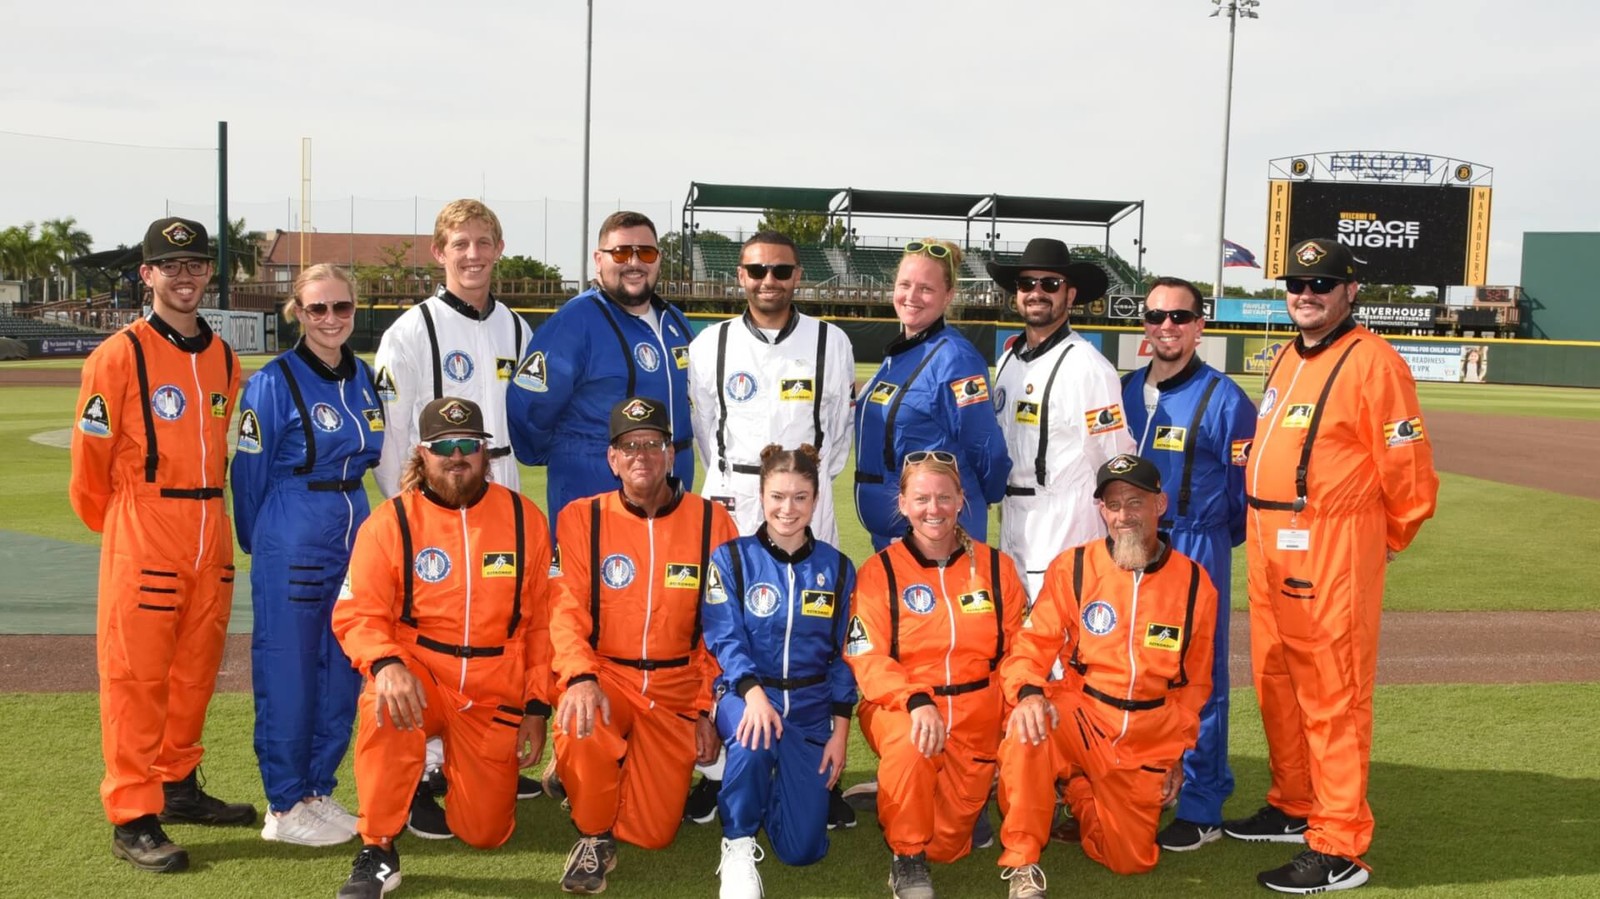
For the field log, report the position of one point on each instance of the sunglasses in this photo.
(1026, 283)
(758, 272)
(193, 267)
(341, 308)
(622, 254)
(1318, 286)
(917, 457)
(936, 250)
(449, 446)
(640, 447)
(1178, 316)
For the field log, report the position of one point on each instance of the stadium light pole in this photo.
(1235, 10)
(588, 82)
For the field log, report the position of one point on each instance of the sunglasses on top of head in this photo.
(449, 446)
(758, 272)
(1178, 316)
(621, 254)
(341, 308)
(936, 250)
(1026, 283)
(1318, 286)
(917, 457)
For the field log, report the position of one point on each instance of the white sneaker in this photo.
(329, 809)
(302, 826)
(740, 879)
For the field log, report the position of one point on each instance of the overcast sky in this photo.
(410, 104)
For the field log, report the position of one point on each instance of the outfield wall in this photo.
(1547, 363)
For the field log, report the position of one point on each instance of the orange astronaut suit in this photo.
(926, 633)
(1136, 647)
(458, 596)
(1340, 471)
(149, 456)
(626, 613)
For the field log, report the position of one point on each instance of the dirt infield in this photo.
(1416, 648)
(1518, 450)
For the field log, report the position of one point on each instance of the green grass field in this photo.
(1479, 791)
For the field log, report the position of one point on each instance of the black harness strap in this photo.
(1044, 417)
(227, 362)
(305, 419)
(838, 610)
(151, 456)
(627, 353)
(1075, 663)
(999, 609)
(1182, 680)
(705, 563)
(522, 550)
(722, 397)
(406, 552)
(737, 562)
(433, 344)
(594, 572)
(1304, 467)
(894, 606)
(890, 463)
(1189, 441)
(816, 388)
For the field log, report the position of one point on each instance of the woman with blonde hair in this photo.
(930, 393)
(310, 426)
(934, 614)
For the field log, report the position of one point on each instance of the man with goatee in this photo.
(445, 613)
(1130, 619)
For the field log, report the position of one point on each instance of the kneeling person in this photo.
(446, 614)
(635, 706)
(1131, 621)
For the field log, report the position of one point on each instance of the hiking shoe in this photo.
(909, 877)
(186, 803)
(143, 844)
(590, 860)
(550, 782)
(863, 797)
(302, 826)
(1027, 882)
(329, 809)
(1186, 836)
(840, 814)
(1314, 872)
(740, 879)
(427, 818)
(1269, 825)
(376, 871)
(983, 829)
(528, 787)
(1066, 829)
(701, 806)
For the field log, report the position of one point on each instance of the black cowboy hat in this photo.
(1046, 254)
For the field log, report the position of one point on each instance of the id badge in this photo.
(1295, 539)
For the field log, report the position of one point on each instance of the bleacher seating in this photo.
(23, 328)
(721, 258)
(814, 261)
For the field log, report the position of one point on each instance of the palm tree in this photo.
(244, 251)
(24, 255)
(63, 242)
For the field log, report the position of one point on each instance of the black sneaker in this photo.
(701, 806)
(528, 787)
(982, 829)
(376, 871)
(436, 782)
(1269, 825)
(186, 803)
(143, 844)
(1185, 836)
(1314, 872)
(840, 814)
(909, 877)
(427, 818)
(590, 860)
(1066, 829)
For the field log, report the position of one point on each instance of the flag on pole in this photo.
(1235, 256)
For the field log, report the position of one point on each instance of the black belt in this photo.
(1127, 705)
(349, 486)
(650, 664)
(1019, 491)
(864, 478)
(1273, 505)
(958, 689)
(679, 446)
(460, 652)
(197, 493)
(499, 452)
(792, 683)
(744, 469)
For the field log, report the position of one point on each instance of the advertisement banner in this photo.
(1261, 352)
(1133, 351)
(1415, 315)
(244, 331)
(1004, 336)
(1399, 233)
(69, 346)
(1255, 312)
(1445, 362)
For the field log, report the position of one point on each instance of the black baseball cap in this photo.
(175, 238)
(1320, 257)
(1135, 470)
(450, 416)
(636, 414)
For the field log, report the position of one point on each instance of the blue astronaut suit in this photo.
(930, 393)
(1199, 436)
(589, 356)
(777, 622)
(307, 435)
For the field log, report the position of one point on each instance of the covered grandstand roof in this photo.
(847, 201)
